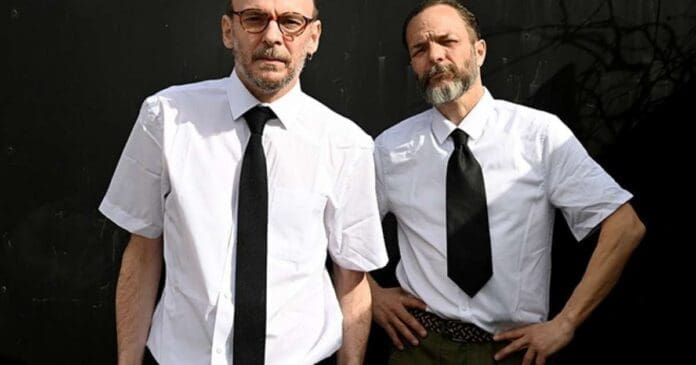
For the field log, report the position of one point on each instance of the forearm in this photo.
(354, 296)
(136, 293)
(620, 234)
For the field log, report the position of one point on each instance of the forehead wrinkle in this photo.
(430, 36)
(279, 7)
(441, 19)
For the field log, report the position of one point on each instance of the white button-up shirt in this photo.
(178, 177)
(531, 164)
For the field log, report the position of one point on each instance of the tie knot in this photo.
(459, 137)
(257, 117)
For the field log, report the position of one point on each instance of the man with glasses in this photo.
(473, 183)
(242, 185)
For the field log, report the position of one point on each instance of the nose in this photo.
(436, 54)
(272, 34)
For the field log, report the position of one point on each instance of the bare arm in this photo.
(354, 296)
(619, 235)
(390, 310)
(136, 292)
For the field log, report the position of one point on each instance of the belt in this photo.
(455, 330)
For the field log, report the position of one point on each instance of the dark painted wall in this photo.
(73, 74)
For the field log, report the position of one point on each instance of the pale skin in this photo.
(136, 292)
(291, 50)
(355, 299)
(142, 261)
(438, 35)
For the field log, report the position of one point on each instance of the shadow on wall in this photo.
(629, 70)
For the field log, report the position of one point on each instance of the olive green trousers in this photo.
(436, 349)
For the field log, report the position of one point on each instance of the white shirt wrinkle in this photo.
(190, 155)
(531, 164)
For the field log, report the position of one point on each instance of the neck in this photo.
(456, 110)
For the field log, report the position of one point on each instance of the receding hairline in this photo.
(470, 21)
(315, 12)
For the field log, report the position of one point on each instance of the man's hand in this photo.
(390, 310)
(618, 237)
(541, 340)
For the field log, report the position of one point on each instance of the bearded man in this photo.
(242, 185)
(474, 183)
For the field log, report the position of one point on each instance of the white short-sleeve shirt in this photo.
(178, 177)
(531, 164)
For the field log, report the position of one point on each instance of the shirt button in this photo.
(226, 295)
(218, 350)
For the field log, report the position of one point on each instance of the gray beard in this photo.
(265, 86)
(270, 87)
(451, 90)
(444, 94)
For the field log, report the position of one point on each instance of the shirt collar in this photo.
(473, 124)
(285, 108)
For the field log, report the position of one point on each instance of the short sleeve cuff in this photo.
(365, 253)
(595, 215)
(128, 221)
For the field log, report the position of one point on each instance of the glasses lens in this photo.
(254, 20)
(291, 23)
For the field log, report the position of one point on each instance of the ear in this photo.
(480, 49)
(227, 31)
(314, 35)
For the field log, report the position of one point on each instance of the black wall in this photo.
(73, 74)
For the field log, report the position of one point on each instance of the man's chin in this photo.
(270, 73)
(270, 83)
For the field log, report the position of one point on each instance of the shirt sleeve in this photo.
(576, 184)
(355, 230)
(134, 199)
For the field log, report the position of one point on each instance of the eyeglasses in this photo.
(291, 24)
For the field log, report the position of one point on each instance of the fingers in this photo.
(510, 335)
(518, 343)
(411, 321)
(393, 336)
(396, 330)
(540, 359)
(404, 331)
(512, 347)
(412, 302)
(529, 357)
(390, 310)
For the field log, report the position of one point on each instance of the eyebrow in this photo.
(436, 38)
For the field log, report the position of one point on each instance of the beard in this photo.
(265, 85)
(459, 82)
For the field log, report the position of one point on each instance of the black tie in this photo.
(252, 221)
(468, 239)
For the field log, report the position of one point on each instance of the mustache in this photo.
(270, 53)
(437, 70)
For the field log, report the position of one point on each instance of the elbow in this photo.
(638, 231)
(629, 226)
(635, 230)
